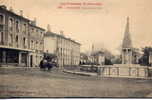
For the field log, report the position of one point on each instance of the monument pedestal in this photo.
(124, 70)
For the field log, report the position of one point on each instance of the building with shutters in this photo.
(66, 49)
(21, 41)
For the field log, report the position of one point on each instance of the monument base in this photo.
(124, 70)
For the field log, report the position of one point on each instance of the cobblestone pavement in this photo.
(31, 82)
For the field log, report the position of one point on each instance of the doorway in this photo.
(31, 61)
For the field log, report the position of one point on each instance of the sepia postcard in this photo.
(75, 48)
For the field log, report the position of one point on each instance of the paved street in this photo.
(23, 82)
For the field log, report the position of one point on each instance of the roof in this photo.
(37, 27)
(48, 33)
(13, 13)
(2, 7)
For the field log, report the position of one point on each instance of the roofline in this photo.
(21, 17)
(14, 14)
(58, 35)
(36, 27)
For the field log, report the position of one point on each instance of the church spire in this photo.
(127, 42)
(92, 48)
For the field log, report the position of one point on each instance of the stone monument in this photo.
(127, 46)
(127, 68)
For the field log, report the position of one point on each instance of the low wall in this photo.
(150, 71)
(124, 71)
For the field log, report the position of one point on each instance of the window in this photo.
(11, 24)
(24, 28)
(124, 50)
(1, 19)
(129, 50)
(16, 39)
(10, 39)
(41, 46)
(36, 45)
(1, 37)
(24, 42)
(31, 44)
(17, 26)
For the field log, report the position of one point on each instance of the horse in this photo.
(49, 64)
(43, 64)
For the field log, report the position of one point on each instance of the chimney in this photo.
(62, 33)
(3, 6)
(21, 12)
(34, 21)
(48, 28)
(11, 9)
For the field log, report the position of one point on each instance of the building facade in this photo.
(36, 43)
(84, 59)
(66, 49)
(15, 37)
(150, 58)
(98, 58)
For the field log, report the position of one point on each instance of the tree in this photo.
(144, 60)
(108, 61)
(117, 59)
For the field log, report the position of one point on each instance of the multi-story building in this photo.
(66, 49)
(36, 42)
(16, 37)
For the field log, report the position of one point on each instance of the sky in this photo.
(102, 27)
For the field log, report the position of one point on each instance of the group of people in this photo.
(46, 64)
